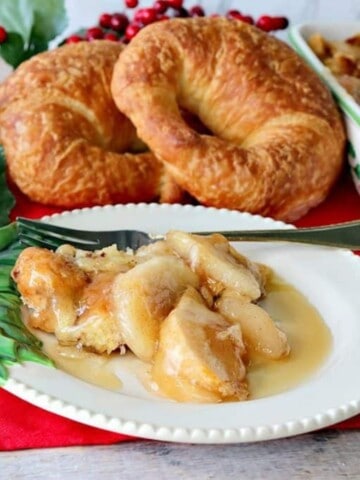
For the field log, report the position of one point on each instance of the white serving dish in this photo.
(298, 36)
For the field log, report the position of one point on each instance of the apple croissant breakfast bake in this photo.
(186, 306)
(342, 58)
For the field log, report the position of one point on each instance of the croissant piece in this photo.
(65, 142)
(278, 139)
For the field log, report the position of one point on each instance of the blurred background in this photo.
(84, 13)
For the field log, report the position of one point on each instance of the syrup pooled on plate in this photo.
(308, 335)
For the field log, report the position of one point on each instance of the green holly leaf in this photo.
(31, 25)
(17, 16)
(50, 19)
(12, 51)
(36, 45)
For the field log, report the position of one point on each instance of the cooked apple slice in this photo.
(144, 296)
(199, 358)
(260, 333)
(216, 263)
(155, 249)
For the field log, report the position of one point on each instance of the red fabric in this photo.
(23, 425)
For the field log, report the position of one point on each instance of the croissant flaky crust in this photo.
(65, 141)
(278, 140)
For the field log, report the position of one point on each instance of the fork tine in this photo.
(31, 241)
(51, 243)
(51, 236)
(64, 235)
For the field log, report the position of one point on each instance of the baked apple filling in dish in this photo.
(190, 308)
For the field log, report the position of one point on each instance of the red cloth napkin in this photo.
(23, 425)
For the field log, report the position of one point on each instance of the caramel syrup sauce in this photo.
(309, 338)
(308, 335)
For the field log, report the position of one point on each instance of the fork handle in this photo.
(344, 235)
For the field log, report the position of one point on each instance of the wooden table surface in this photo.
(328, 455)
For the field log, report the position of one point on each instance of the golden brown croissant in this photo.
(278, 139)
(64, 137)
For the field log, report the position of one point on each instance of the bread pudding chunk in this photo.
(50, 286)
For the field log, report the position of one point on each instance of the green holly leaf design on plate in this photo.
(7, 200)
(357, 171)
(351, 150)
(17, 344)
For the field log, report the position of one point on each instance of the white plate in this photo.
(328, 277)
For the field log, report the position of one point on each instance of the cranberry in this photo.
(105, 20)
(268, 24)
(233, 13)
(280, 23)
(145, 16)
(245, 19)
(131, 3)
(119, 22)
(180, 12)
(161, 18)
(160, 6)
(197, 11)
(175, 3)
(111, 36)
(3, 35)
(74, 39)
(94, 33)
(264, 22)
(131, 30)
